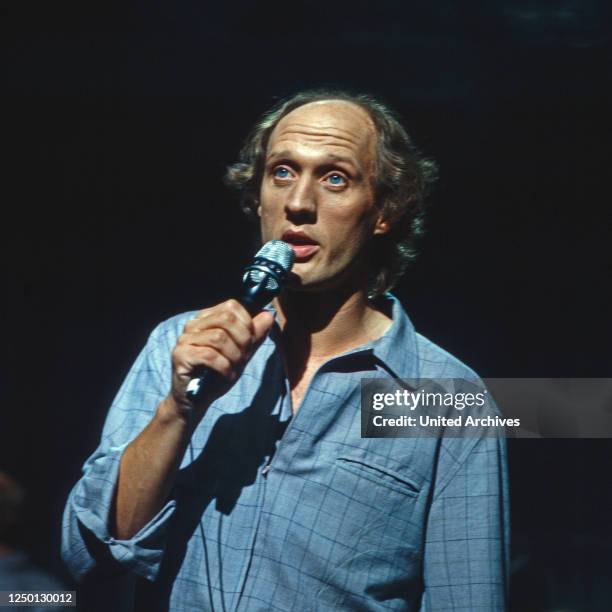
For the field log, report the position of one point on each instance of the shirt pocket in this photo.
(375, 560)
(380, 475)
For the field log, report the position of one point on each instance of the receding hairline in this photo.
(335, 100)
(372, 145)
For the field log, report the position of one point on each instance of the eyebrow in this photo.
(332, 156)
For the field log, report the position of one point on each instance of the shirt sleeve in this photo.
(87, 543)
(467, 542)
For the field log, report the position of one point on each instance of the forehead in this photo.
(328, 124)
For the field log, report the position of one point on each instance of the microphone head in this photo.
(273, 262)
(279, 252)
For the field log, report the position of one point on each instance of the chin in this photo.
(298, 284)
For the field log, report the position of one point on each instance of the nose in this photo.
(301, 200)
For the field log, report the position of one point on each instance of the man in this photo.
(264, 496)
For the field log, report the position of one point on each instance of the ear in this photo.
(258, 209)
(382, 226)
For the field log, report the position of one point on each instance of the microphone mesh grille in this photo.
(280, 253)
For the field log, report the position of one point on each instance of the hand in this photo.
(222, 338)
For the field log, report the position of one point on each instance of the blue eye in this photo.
(281, 173)
(336, 179)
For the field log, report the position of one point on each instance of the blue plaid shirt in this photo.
(278, 512)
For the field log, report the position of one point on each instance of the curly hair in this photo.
(403, 178)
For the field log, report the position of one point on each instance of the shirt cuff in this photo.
(93, 500)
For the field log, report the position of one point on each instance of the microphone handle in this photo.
(253, 299)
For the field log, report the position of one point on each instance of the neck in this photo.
(318, 326)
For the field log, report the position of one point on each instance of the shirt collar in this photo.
(396, 349)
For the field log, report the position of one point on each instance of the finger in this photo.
(228, 311)
(222, 341)
(207, 357)
(237, 330)
(262, 324)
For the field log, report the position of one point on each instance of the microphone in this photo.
(262, 281)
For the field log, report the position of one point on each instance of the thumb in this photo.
(262, 323)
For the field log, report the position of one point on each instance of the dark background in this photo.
(119, 122)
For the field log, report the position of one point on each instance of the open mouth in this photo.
(303, 245)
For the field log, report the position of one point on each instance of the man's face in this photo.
(317, 192)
